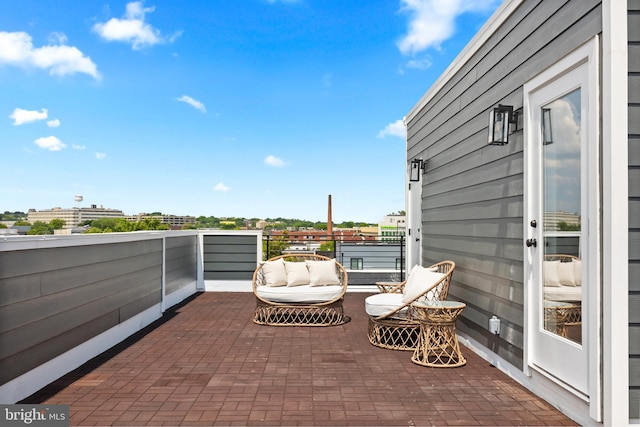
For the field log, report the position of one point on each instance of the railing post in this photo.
(402, 258)
(335, 247)
(267, 256)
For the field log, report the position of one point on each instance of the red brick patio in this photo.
(207, 363)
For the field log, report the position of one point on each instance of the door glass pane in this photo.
(562, 229)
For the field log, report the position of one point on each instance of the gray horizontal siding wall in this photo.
(230, 257)
(181, 266)
(634, 207)
(472, 207)
(53, 299)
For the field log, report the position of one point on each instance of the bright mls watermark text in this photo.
(34, 415)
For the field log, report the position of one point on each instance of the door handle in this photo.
(532, 242)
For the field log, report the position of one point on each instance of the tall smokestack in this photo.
(329, 220)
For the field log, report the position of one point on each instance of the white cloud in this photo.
(433, 21)
(416, 64)
(21, 116)
(17, 49)
(396, 128)
(273, 161)
(220, 187)
(132, 28)
(53, 123)
(50, 143)
(101, 156)
(194, 103)
(78, 147)
(57, 38)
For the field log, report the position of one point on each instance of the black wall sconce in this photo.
(500, 119)
(547, 134)
(417, 166)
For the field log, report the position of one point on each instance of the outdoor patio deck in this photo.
(207, 363)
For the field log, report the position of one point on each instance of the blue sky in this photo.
(248, 108)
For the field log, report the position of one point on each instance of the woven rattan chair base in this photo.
(299, 315)
(394, 334)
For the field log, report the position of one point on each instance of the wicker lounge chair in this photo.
(310, 293)
(392, 320)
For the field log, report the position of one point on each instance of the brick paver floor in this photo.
(207, 363)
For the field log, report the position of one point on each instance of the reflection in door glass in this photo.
(562, 266)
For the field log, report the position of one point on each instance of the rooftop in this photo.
(206, 363)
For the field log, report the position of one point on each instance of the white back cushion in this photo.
(550, 272)
(577, 271)
(420, 279)
(297, 273)
(322, 273)
(274, 273)
(566, 274)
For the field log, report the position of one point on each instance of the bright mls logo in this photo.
(34, 415)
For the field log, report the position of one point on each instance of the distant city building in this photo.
(392, 227)
(174, 221)
(73, 217)
(10, 231)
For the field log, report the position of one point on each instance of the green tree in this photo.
(40, 227)
(12, 216)
(563, 226)
(328, 246)
(94, 230)
(103, 223)
(276, 245)
(121, 225)
(57, 224)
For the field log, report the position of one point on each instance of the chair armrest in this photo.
(391, 287)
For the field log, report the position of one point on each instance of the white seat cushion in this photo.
(301, 293)
(379, 304)
(563, 293)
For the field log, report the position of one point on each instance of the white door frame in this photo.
(585, 54)
(414, 220)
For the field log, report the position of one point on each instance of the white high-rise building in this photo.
(73, 217)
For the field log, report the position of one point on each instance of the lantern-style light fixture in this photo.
(547, 134)
(417, 165)
(500, 119)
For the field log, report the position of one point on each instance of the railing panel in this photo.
(369, 259)
(72, 293)
(180, 262)
(230, 257)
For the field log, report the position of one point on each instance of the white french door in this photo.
(561, 222)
